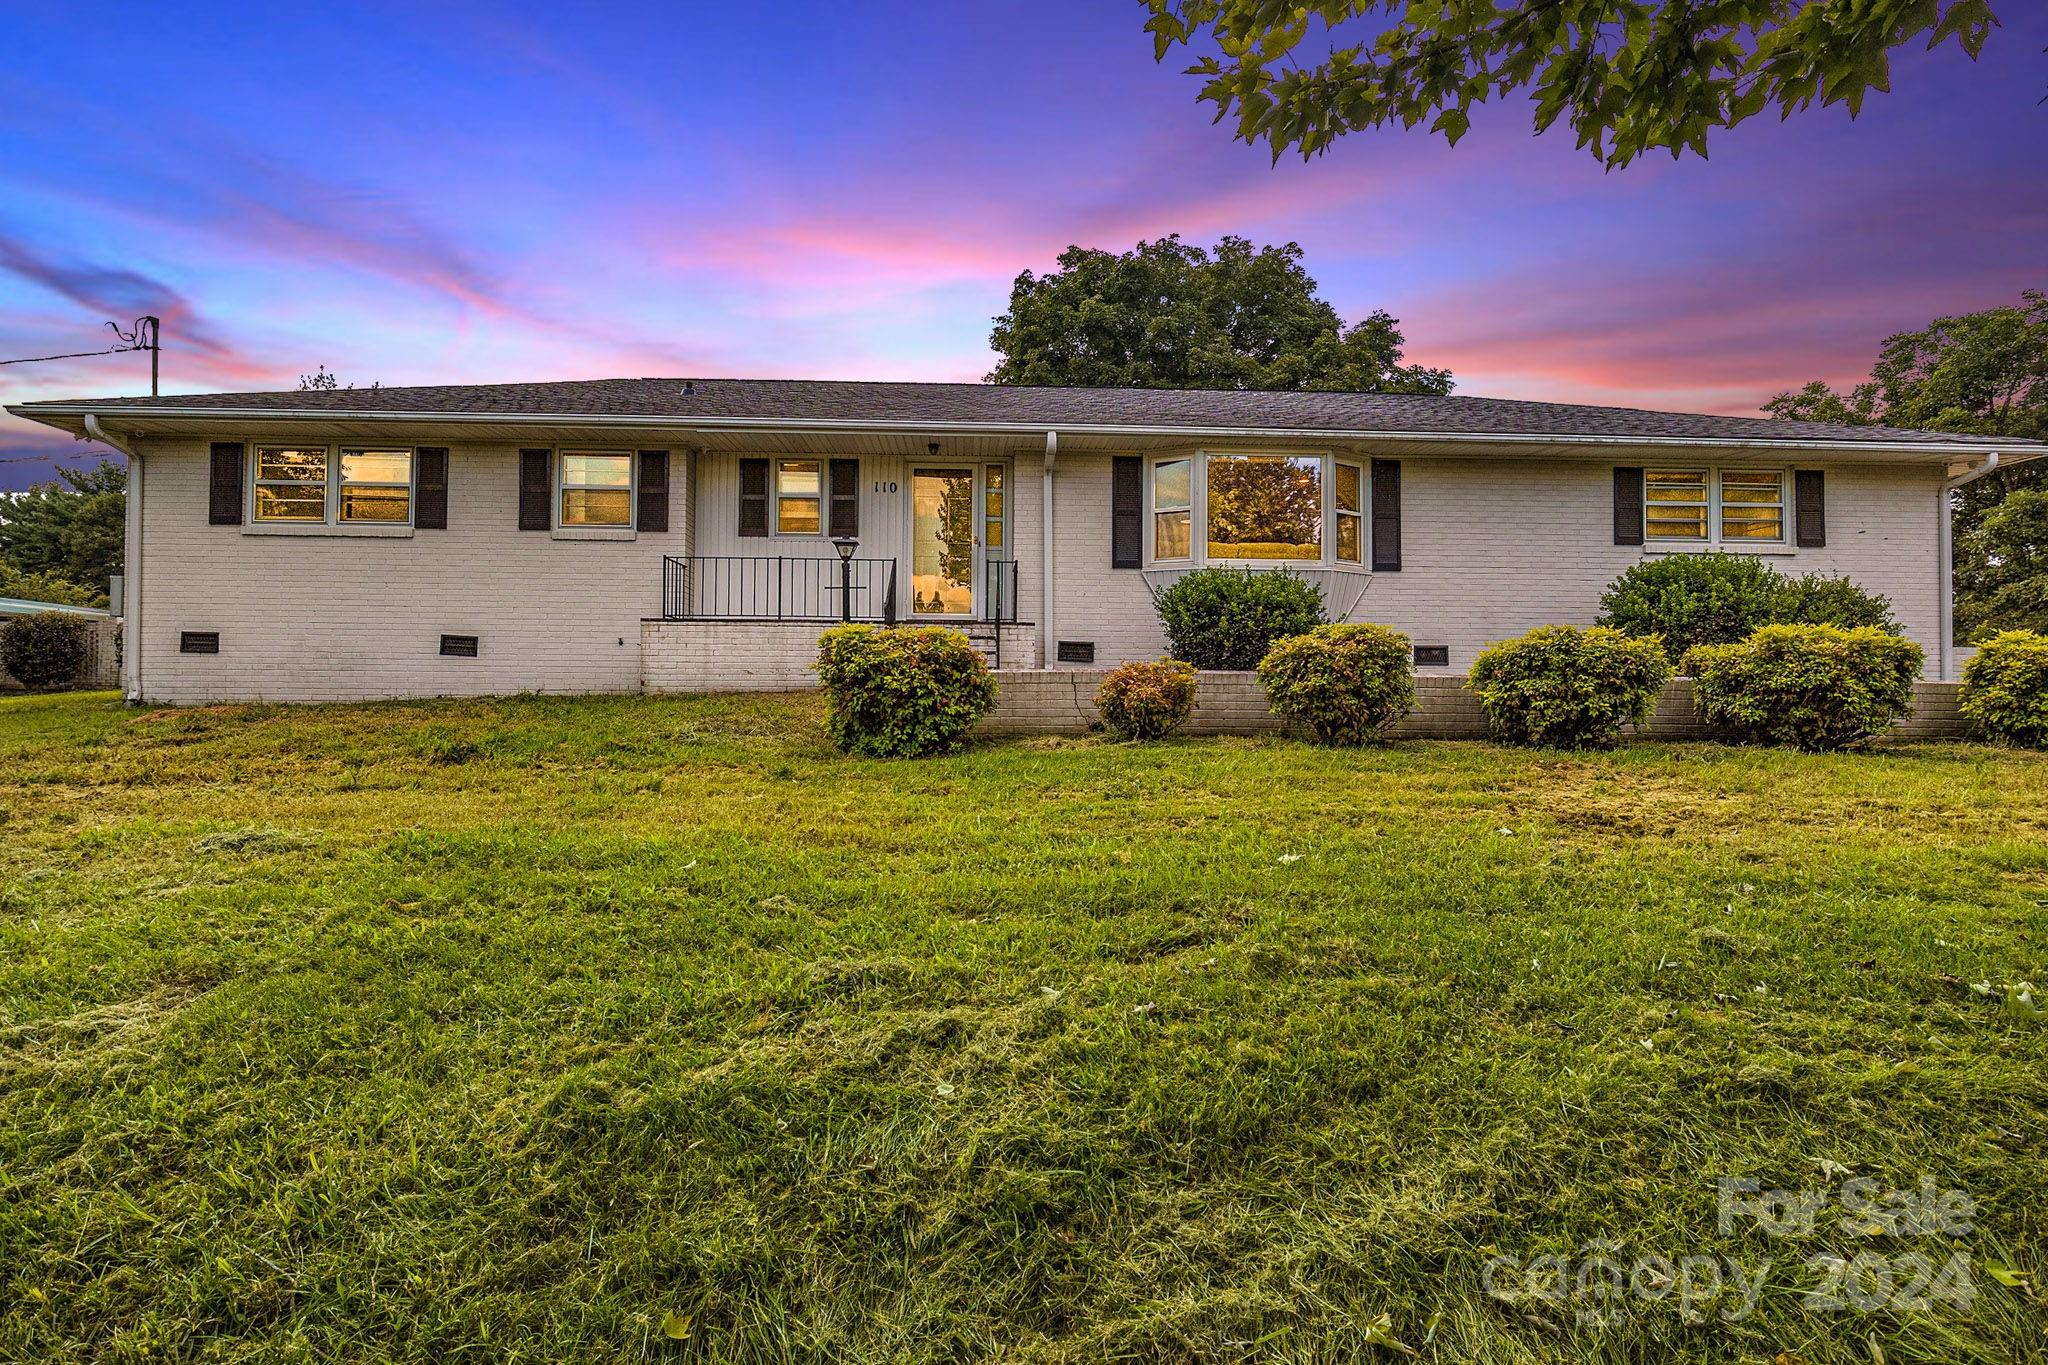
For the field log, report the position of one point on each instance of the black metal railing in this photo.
(777, 588)
(999, 594)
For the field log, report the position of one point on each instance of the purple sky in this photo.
(445, 193)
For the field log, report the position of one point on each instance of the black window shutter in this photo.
(224, 489)
(1628, 504)
(533, 490)
(653, 511)
(1386, 516)
(1810, 508)
(1126, 512)
(430, 478)
(845, 487)
(753, 497)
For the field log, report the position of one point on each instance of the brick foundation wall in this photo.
(1062, 702)
(754, 656)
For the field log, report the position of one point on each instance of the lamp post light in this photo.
(845, 545)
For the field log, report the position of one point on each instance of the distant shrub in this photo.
(47, 649)
(901, 692)
(1831, 600)
(2005, 689)
(1569, 688)
(1714, 599)
(1809, 687)
(1229, 618)
(1342, 683)
(1147, 700)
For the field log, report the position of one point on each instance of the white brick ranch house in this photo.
(675, 534)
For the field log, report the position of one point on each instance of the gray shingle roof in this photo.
(712, 400)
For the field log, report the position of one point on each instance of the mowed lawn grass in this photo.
(625, 1028)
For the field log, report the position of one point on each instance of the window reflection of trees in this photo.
(1265, 507)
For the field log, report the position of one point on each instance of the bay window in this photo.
(1231, 508)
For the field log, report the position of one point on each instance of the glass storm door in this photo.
(943, 542)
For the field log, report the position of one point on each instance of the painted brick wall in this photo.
(1062, 702)
(739, 656)
(1492, 548)
(320, 618)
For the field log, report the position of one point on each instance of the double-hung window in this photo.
(316, 486)
(291, 484)
(1173, 509)
(376, 485)
(1710, 506)
(597, 488)
(799, 488)
(1349, 507)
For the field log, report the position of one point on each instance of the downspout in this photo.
(131, 560)
(1947, 625)
(1046, 647)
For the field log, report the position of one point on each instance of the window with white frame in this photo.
(596, 488)
(1347, 503)
(376, 486)
(318, 486)
(291, 484)
(1263, 507)
(799, 486)
(1173, 509)
(1708, 506)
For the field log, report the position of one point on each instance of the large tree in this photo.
(1985, 373)
(1170, 315)
(68, 528)
(1628, 76)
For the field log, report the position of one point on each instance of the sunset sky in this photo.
(431, 193)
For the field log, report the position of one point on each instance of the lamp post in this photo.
(846, 545)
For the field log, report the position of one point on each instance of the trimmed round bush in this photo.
(1341, 683)
(1147, 700)
(2005, 689)
(1719, 598)
(47, 649)
(1807, 687)
(899, 691)
(1566, 687)
(1229, 618)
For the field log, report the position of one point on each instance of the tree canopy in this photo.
(69, 529)
(1627, 76)
(1985, 373)
(1171, 315)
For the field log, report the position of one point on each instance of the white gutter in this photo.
(1046, 646)
(131, 556)
(1947, 556)
(837, 426)
(95, 431)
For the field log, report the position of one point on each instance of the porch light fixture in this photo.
(846, 545)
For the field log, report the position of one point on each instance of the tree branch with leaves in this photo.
(1627, 76)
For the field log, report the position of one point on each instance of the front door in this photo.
(944, 541)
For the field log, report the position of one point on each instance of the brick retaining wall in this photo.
(102, 671)
(1062, 702)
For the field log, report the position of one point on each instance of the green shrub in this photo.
(2005, 689)
(1716, 599)
(1831, 600)
(1569, 688)
(1147, 701)
(902, 692)
(1810, 687)
(1229, 618)
(44, 650)
(1343, 683)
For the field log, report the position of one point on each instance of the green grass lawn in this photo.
(550, 1030)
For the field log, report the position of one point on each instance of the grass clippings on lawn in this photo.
(550, 1030)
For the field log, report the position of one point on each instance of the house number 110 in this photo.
(882, 486)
